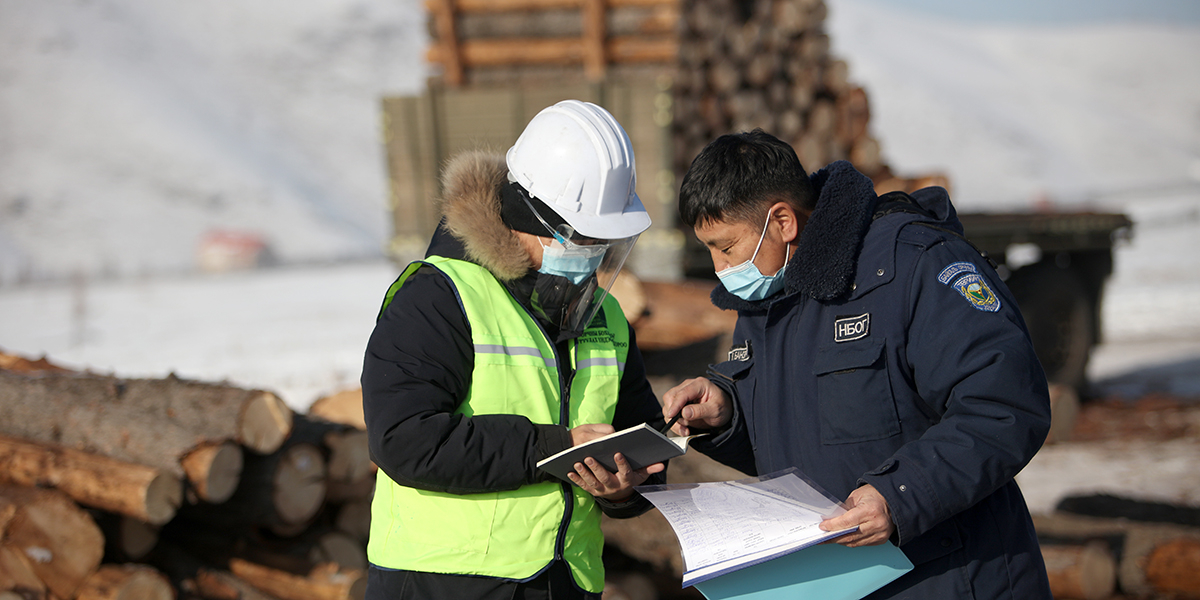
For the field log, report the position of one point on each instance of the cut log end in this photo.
(214, 470)
(1174, 568)
(265, 423)
(349, 457)
(340, 549)
(358, 589)
(137, 538)
(345, 407)
(354, 518)
(1086, 572)
(164, 495)
(299, 487)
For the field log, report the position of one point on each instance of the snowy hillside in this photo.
(128, 128)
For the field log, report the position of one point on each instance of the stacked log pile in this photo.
(164, 488)
(1100, 547)
(501, 41)
(746, 65)
(733, 66)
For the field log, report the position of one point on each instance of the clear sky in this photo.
(1058, 11)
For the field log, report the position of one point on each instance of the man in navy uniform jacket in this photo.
(877, 351)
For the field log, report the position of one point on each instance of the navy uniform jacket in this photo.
(895, 356)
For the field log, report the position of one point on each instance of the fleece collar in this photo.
(826, 257)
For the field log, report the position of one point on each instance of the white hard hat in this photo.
(577, 160)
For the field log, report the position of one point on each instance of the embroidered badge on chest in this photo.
(742, 353)
(846, 329)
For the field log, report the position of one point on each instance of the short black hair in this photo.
(739, 175)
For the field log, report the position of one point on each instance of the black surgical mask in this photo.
(555, 297)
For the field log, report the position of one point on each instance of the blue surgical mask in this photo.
(572, 261)
(745, 280)
(565, 258)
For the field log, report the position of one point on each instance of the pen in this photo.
(671, 423)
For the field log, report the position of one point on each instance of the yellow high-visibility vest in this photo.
(513, 534)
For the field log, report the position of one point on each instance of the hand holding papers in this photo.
(727, 526)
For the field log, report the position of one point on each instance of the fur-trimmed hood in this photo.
(470, 207)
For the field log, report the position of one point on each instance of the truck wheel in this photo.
(1058, 312)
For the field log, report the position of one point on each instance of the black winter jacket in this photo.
(895, 356)
(418, 370)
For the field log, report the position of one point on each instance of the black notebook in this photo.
(641, 446)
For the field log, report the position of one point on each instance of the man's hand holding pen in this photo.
(697, 403)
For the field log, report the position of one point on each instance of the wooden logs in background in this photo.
(480, 41)
(130, 489)
(1151, 558)
(325, 583)
(1080, 571)
(282, 491)
(16, 574)
(213, 469)
(49, 537)
(1173, 568)
(736, 66)
(344, 407)
(157, 423)
(768, 65)
(126, 539)
(126, 582)
(267, 510)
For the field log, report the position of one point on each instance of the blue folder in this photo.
(822, 572)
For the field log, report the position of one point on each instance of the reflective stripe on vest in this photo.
(551, 363)
(511, 534)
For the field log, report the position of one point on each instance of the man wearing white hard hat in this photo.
(502, 347)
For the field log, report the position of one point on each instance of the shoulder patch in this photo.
(976, 291)
(846, 329)
(954, 270)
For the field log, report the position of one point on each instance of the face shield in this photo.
(576, 275)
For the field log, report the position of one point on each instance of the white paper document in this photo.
(729, 525)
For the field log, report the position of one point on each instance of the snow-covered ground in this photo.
(298, 332)
(129, 128)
